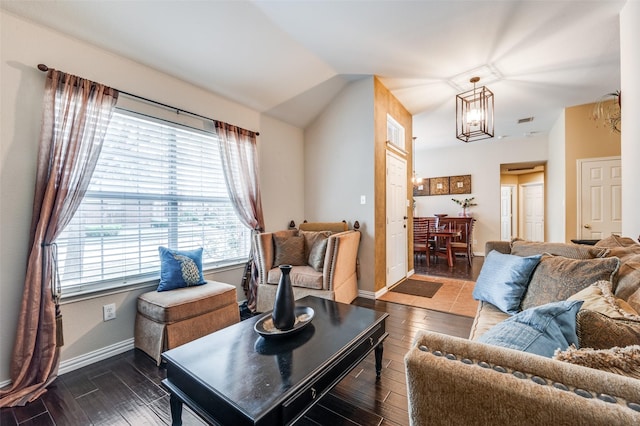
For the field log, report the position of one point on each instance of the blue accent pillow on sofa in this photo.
(503, 280)
(540, 330)
(180, 268)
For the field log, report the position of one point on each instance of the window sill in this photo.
(105, 289)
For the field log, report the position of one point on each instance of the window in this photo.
(395, 132)
(157, 183)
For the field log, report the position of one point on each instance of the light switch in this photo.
(363, 199)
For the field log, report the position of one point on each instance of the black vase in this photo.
(284, 316)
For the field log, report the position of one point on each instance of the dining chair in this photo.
(420, 232)
(464, 243)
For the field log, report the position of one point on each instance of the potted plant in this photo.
(465, 204)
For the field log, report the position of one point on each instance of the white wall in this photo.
(555, 210)
(630, 136)
(339, 149)
(23, 46)
(482, 161)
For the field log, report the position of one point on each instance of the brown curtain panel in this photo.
(240, 165)
(76, 113)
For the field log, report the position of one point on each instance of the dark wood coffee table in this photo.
(236, 377)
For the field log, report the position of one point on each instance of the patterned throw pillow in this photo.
(288, 250)
(503, 280)
(573, 251)
(180, 268)
(623, 361)
(598, 331)
(557, 278)
(599, 297)
(540, 330)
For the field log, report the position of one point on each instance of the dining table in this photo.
(447, 235)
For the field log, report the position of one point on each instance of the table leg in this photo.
(176, 410)
(378, 353)
(449, 253)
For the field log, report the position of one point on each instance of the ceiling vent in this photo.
(525, 120)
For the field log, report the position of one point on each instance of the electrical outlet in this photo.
(109, 312)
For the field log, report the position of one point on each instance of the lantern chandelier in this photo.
(474, 113)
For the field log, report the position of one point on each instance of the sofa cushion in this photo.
(599, 297)
(180, 268)
(624, 361)
(301, 276)
(288, 250)
(539, 330)
(556, 278)
(598, 331)
(184, 303)
(503, 280)
(486, 317)
(574, 251)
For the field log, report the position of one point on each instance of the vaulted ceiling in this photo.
(289, 58)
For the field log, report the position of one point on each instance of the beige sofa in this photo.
(335, 277)
(455, 381)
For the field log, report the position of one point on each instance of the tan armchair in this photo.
(336, 280)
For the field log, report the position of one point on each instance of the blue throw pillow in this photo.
(503, 280)
(180, 268)
(539, 330)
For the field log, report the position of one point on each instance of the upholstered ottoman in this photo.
(168, 319)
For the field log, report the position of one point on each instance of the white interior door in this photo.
(600, 198)
(396, 218)
(533, 211)
(506, 196)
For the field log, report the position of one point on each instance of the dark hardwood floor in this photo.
(460, 270)
(125, 389)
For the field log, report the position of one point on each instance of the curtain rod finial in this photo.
(43, 67)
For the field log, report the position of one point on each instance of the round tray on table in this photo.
(264, 326)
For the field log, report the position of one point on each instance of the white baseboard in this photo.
(372, 295)
(89, 358)
(366, 294)
(95, 356)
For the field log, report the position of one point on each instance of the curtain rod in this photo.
(44, 68)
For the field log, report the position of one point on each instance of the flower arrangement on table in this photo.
(465, 204)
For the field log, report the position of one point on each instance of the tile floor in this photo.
(453, 297)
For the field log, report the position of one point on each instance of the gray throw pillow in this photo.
(557, 278)
(311, 238)
(317, 254)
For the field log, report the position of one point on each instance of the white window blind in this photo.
(156, 183)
